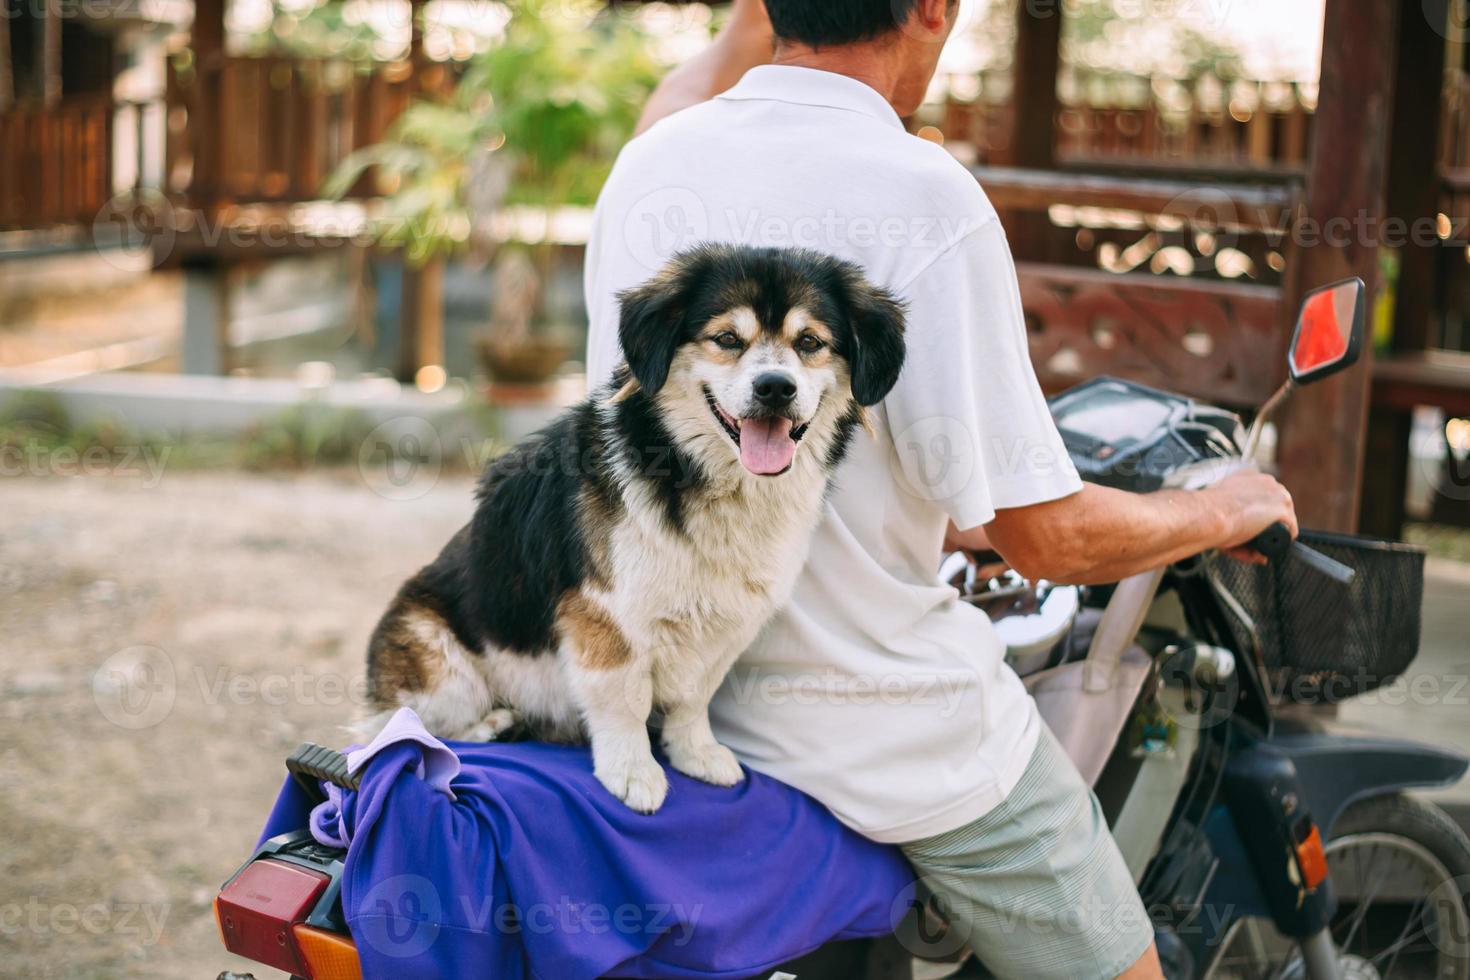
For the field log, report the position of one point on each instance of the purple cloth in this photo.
(437, 766)
(720, 883)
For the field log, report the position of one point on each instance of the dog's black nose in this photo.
(774, 389)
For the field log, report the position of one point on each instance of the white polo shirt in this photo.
(876, 690)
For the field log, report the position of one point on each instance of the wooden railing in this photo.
(1205, 123)
(1249, 207)
(55, 163)
(1214, 340)
(282, 127)
(283, 123)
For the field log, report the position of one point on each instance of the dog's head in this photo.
(760, 347)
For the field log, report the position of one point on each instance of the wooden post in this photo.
(421, 319)
(7, 65)
(1413, 172)
(48, 57)
(1323, 428)
(1033, 117)
(1412, 198)
(206, 345)
(207, 38)
(416, 33)
(1034, 95)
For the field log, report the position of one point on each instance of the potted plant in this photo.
(534, 122)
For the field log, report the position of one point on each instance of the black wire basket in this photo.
(1324, 642)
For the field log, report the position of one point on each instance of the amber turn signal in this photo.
(1312, 860)
(328, 955)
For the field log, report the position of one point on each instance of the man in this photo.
(878, 692)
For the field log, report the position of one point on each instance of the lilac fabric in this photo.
(437, 766)
(720, 883)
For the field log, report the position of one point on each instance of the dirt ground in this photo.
(163, 645)
(166, 639)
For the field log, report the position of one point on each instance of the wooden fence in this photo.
(283, 125)
(56, 163)
(1121, 121)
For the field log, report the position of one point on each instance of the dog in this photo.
(621, 559)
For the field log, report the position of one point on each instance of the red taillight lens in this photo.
(260, 908)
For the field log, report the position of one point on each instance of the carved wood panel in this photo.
(1211, 340)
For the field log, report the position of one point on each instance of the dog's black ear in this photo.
(651, 321)
(876, 354)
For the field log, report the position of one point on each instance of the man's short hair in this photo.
(819, 23)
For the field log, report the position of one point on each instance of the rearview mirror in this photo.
(1329, 331)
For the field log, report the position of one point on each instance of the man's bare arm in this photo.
(1102, 535)
(744, 42)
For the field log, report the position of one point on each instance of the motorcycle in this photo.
(1262, 845)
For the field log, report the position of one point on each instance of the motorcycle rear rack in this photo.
(311, 765)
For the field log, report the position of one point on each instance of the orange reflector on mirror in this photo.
(329, 955)
(1312, 859)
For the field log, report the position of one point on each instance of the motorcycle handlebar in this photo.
(1274, 543)
(1277, 545)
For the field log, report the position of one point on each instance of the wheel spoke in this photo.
(1392, 952)
(1384, 873)
(1360, 914)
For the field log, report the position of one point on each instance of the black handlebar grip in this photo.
(312, 764)
(1274, 542)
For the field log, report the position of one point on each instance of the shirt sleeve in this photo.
(970, 426)
(603, 350)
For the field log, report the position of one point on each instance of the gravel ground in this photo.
(243, 604)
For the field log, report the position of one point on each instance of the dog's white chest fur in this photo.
(712, 586)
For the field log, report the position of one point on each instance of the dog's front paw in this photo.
(491, 727)
(709, 762)
(641, 783)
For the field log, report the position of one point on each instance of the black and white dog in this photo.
(620, 560)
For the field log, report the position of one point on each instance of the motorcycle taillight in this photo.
(259, 908)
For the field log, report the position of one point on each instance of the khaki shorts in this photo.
(1037, 886)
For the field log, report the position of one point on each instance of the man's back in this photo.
(876, 691)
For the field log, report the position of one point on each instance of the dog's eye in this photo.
(809, 343)
(728, 340)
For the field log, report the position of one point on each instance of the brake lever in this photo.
(1277, 545)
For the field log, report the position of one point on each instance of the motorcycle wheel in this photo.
(1401, 871)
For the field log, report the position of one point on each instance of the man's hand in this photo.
(1254, 501)
(1100, 535)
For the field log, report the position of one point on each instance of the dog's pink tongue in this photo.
(766, 446)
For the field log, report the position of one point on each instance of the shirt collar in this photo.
(812, 86)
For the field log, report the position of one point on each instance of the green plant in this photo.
(544, 111)
(305, 435)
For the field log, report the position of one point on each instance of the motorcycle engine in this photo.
(1033, 619)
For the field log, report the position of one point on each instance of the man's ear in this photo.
(650, 322)
(929, 19)
(876, 354)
